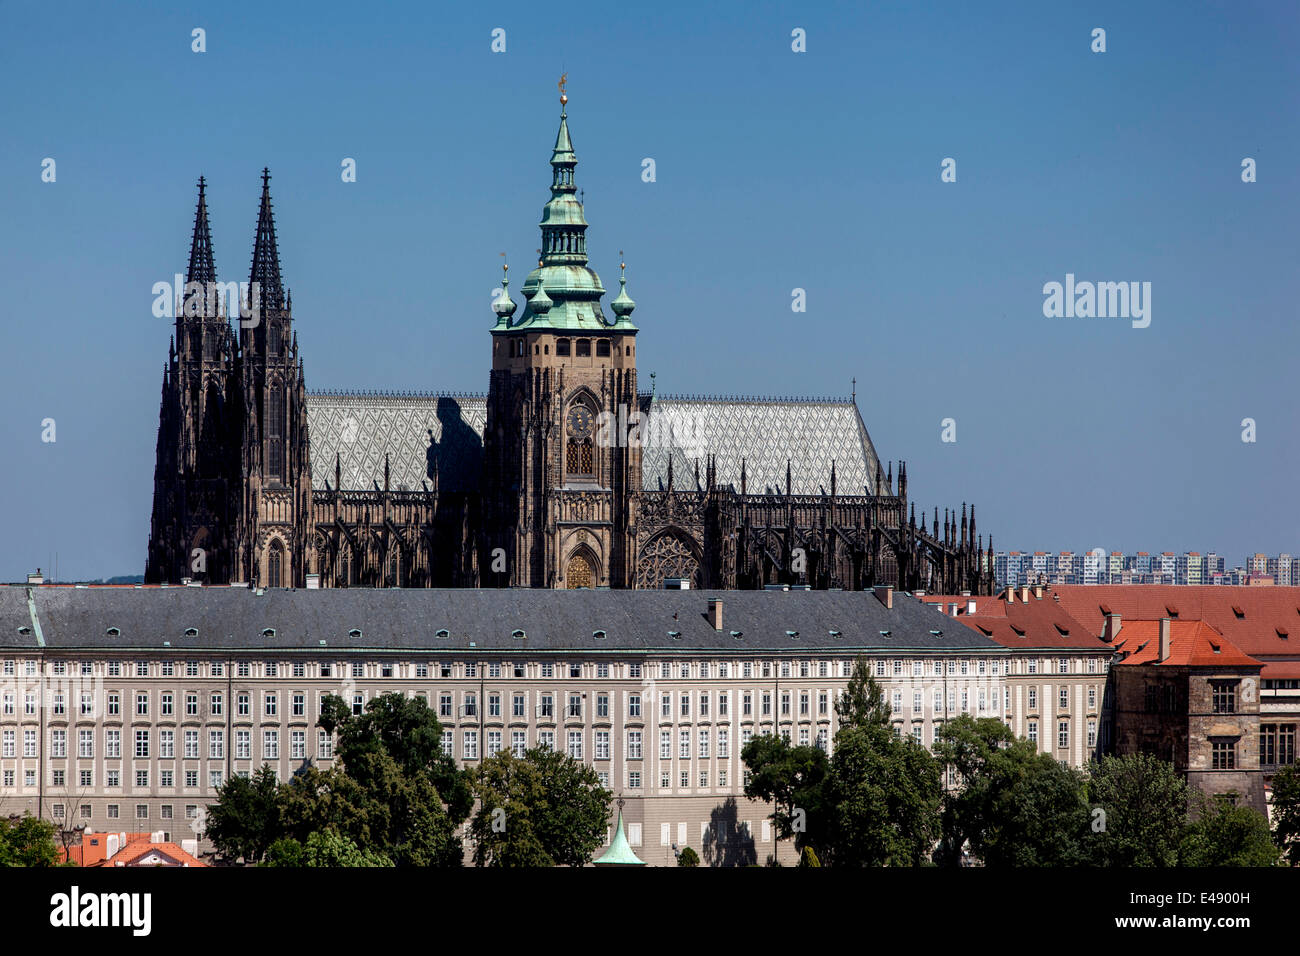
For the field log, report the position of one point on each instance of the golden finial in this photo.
(564, 97)
(505, 266)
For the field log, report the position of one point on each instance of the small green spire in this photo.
(504, 307)
(540, 303)
(622, 304)
(620, 851)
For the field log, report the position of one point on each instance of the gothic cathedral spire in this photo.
(202, 267)
(266, 257)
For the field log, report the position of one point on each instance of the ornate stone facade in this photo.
(566, 474)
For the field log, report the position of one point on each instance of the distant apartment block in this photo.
(1099, 566)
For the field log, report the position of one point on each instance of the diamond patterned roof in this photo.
(415, 430)
(764, 433)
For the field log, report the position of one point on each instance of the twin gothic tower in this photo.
(232, 479)
(564, 474)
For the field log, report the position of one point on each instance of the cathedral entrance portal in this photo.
(579, 574)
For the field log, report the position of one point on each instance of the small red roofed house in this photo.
(130, 849)
(1189, 695)
(1263, 623)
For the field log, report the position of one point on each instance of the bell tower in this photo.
(561, 477)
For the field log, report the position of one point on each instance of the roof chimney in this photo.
(1110, 630)
(1011, 594)
(1024, 593)
(1165, 640)
(1038, 591)
(313, 582)
(36, 577)
(970, 605)
(885, 592)
(715, 613)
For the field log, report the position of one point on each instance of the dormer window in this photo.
(191, 632)
(111, 632)
(442, 633)
(355, 633)
(518, 634)
(268, 632)
(598, 635)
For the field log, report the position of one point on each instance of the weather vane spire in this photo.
(564, 97)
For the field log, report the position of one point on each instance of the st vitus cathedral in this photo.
(567, 474)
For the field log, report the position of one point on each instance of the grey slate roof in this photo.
(418, 430)
(482, 620)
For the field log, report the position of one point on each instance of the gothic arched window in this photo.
(275, 565)
(275, 426)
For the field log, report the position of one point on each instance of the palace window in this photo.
(561, 346)
(1276, 744)
(602, 348)
(583, 349)
(1224, 697)
(1224, 755)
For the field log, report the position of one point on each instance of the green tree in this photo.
(1144, 804)
(1286, 812)
(970, 747)
(245, 820)
(1038, 815)
(1014, 806)
(27, 841)
(392, 794)
(792, 780)
(688, 857)
(541, 809)
(323, 848)
(809, 857)
(1227, 835)
(408, 731)
(883, 795)
(875, 803)
(372, 802)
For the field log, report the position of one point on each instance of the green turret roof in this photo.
(620, 851)
(563, 293)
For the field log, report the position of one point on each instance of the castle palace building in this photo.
(567, 474)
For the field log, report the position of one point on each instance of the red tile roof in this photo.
(1267, 613)
(1042, 622)
(1191, 644)
(135, 850)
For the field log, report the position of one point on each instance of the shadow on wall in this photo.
(726, 844)
(457, 458)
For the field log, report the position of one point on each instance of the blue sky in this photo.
(775, 171)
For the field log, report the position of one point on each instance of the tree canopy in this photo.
(393, 796)
(541, 809)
